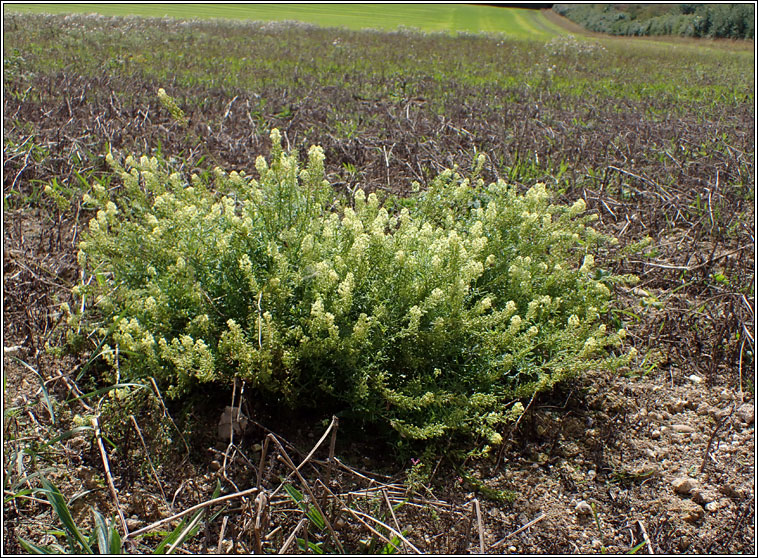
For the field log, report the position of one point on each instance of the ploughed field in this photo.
(656, 138)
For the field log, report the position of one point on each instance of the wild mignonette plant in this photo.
(434, 315)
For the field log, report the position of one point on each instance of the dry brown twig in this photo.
(261, 520)
(167, 415)
(713, 437)
(330, 461)
(200, 506)
(650, 549)
(262, 462)
(292, 536)
(520, 529)
(392, 511)
(222, 532)
(357, 515)
(286, 458)
(108, 476)
(150, 461)
(307, 458)
(479, 524)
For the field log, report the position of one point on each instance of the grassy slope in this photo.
(447, 17)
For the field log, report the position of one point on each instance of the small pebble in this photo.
(729, 491)
(597, 544)
(693, 515)
(694, 378)
(703, 497)
(684, 485)
(583, 508)
(746, 413)
(682, 428)
(512, 549)
(655, 434)
(676, 407)
(714, 506)
(721, 413)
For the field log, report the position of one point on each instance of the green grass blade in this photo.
(184, 531)
(637, 547)
(188, 532)
(170, 538)
(14, 495)
(294, 493)
(175, 535)
(314, 547)
(114, 544)
(103, 532)
(310, 511)
(316, 518)
(32, 548)
(58, 502)
(45, 394)
(104, 390)
(65, 435)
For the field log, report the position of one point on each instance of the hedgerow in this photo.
(435, 315)
(725, 21)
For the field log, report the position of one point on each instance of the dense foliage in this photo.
(723, 21)
(433, 314)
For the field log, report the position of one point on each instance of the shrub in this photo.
(433, 315)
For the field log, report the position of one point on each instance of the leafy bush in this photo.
(433, 314)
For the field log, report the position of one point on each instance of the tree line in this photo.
(722, 21)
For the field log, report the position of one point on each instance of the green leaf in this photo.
(108, 538)
(310, 511)
(636, 548)
(15, 495)
(314, 547)
(58, 502)
(45, 394)
(294, 493)
(393, 546)
(186, 530)
(32, 548)
(115, 545)
(316, 518)
(173, 536)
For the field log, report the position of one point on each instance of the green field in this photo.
(426, 17)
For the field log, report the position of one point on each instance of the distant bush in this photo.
(725, 21)
(432, 315)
